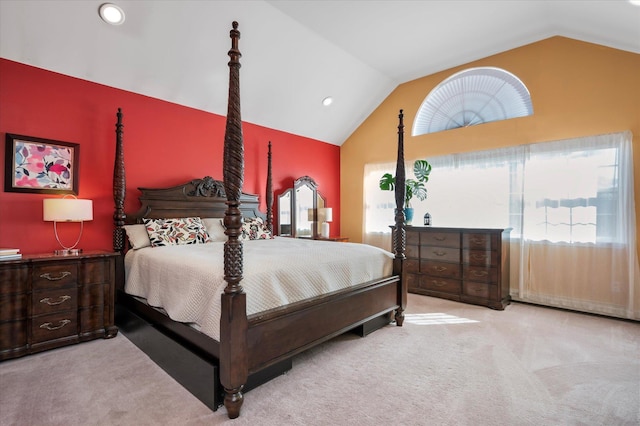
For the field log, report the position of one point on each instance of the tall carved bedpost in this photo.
(269, 193)
(399, 233)
(234, 363)
(119, 188)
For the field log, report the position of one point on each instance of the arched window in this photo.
(470, 97)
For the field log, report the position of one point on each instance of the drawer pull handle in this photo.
(62, 299)
(48, 325)
(479, 273)
(439, 268)
(439, 253)
(477, 289)
(50, 278)
(439, 283)
(440, 238)
(477, 240)
(479, 256)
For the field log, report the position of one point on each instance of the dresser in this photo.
(462, 264)
(49, 301)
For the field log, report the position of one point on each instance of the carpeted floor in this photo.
(451, 364)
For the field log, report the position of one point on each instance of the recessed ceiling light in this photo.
(111, 14)
(327, 101)
(635, 2)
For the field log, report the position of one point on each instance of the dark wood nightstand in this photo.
(49, 301)
(339, 239)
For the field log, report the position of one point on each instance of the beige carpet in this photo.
(526, 365)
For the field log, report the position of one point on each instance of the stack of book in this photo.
(10, 254)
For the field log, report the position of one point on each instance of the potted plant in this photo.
(413, 187)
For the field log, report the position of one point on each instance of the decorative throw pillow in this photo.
(169, 232)
(138, 236)
(215, 228)
(254, 228)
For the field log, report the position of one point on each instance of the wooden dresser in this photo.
(50, 301)
(462, 264)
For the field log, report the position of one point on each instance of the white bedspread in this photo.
(187, 280)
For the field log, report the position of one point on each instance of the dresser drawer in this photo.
(411, 265)
(440, 269)
(412, 251)
(13, 306)
(55, 300)
(92, 295)
(480, 290)
(13, 335)
(443, 285)
(479, 273)
(441, 239)
(92, 319)
(446, 254)
(96, 271)
(480, 257)
(413, 238)
(14, 279)
(480, 241)
(54, 326)
(54, 275)
(412, 280)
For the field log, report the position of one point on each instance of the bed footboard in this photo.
(281, 334)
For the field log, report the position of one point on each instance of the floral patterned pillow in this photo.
(254, 228)
(170, 232)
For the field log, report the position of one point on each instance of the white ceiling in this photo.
(295, 53)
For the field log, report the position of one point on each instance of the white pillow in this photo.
(138, 236)
(215, 228)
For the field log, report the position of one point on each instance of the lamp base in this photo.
(325, 230)
(67, 252)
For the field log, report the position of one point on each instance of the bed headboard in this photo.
(199, 197)
(204, 197)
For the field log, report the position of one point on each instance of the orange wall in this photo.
(577, 89)
(165, 144)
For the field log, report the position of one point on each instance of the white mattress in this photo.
(187, 280)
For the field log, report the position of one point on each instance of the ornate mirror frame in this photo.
(298, 209)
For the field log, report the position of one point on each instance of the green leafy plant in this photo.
(413, 187)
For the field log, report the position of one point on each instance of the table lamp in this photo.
(67, 209)
(327, 216)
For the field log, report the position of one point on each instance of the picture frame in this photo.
(42, 166)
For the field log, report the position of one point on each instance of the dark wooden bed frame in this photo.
(252, 348)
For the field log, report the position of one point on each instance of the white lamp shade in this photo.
(67, 210)
(328, 214)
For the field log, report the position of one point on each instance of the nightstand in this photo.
(49, 301)
(339, 239)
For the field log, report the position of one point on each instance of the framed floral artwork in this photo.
(40, 165)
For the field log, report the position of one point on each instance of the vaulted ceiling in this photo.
(295, 53)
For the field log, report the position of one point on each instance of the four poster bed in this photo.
(220, 340)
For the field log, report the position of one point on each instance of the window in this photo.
(562, 191)
(473, 96)
(570, 205)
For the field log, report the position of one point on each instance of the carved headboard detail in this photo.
(199, 197)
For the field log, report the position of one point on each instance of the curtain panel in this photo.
(570, 205)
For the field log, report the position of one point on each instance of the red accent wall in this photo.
(165, 144)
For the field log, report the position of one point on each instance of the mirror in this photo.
(304, 209)
(298, 210)
(284, 213)
(320, 204)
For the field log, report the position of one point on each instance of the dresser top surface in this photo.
(445, 229)
(51, 256)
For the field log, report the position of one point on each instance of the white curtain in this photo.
(569, 203)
